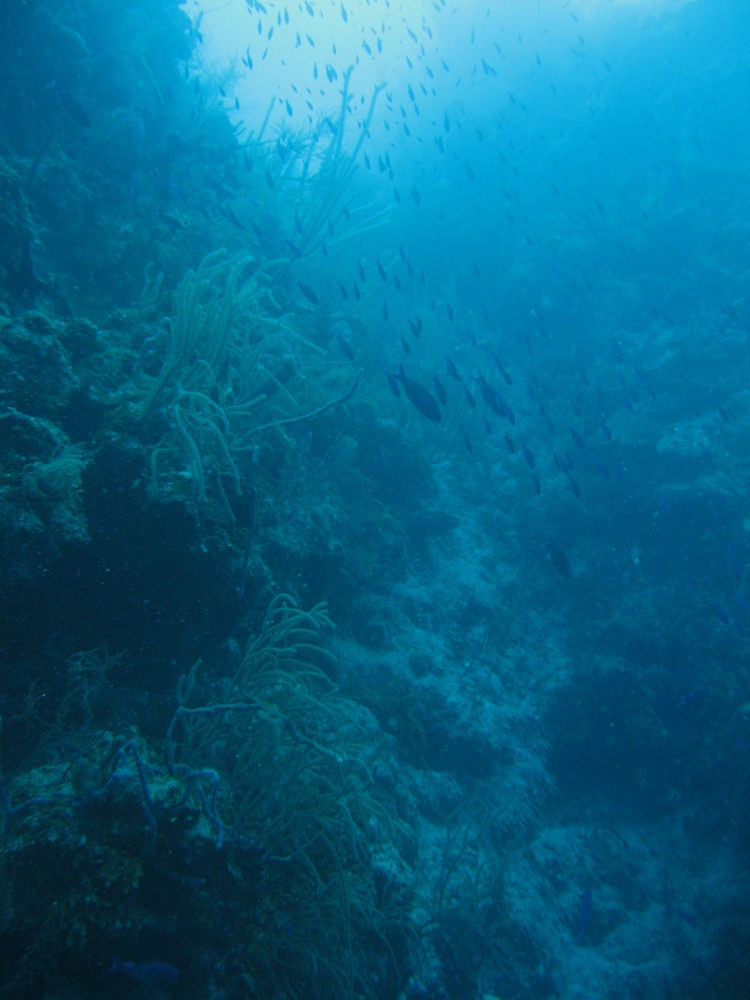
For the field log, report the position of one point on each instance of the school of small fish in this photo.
(448, 355)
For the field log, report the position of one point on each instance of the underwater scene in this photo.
(375, 500)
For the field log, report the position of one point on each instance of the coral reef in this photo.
(303, 695)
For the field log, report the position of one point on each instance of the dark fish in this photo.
(381, 271)
(491, 396)
(452, 370)
(467, 443)
(73, 107)
(469, 398)
(574, 487)
(405, 346)
(559, 560)
(511, 444)
(172, 221)
(528, 457)
(156, 974)
(584, 915)
(501, 368)
(486, 424)
(577, 438)
(421, 398)
(735, 562)
(393, 384)
(440, 392)
(720, 611)
(697, 697)
(346, 347)
(232, 216)
(309, 293)
(413, 327)
(596, 465)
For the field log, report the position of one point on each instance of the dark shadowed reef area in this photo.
(374, 515)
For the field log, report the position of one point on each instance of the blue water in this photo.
(374, 509)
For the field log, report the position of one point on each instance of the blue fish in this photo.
(697, 697)
(720, 612)
(585, 914)
(160, 974)
(735, 562)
